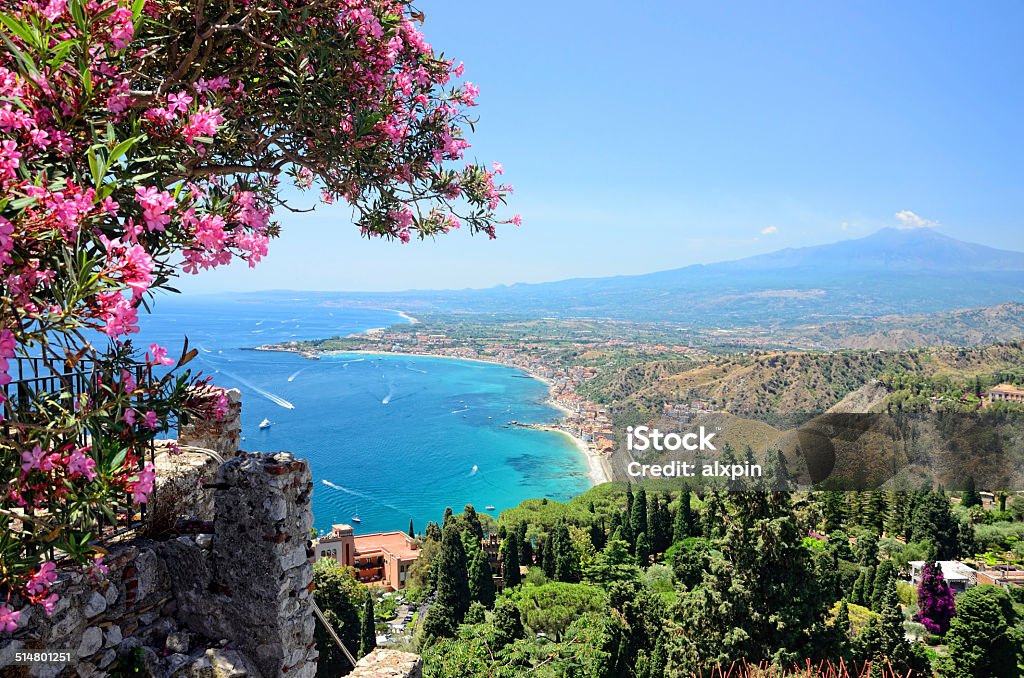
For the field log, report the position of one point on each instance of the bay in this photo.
(389, 437)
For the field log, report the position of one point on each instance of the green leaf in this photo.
(121, 149)
(19, 28)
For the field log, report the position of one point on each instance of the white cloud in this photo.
(910, 220)
(769, 230)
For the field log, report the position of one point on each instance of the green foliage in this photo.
(452, 583)
(551, 608)
(368, 629)
(481, 584)
(340, 596)
(983, 639)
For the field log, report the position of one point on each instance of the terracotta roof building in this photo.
(1007, 392)
(381, 559)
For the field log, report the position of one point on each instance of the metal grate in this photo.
(34, 377)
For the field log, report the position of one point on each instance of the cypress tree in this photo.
(368, 629)
(567, 560)
(412, 532)
(452, 582)
(473, 521)
(448, 515)
(550, 556)
(525, 547)
(711, 516)
(507, 623)
(970, 496)
(597, 536)
(510, 561)
(643, 551)
(683, 523)
(433, 531)
(638, 514)
(629, 499)
(481, 585)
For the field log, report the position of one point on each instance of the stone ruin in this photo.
(229, 596)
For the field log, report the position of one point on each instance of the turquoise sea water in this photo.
(394, 437)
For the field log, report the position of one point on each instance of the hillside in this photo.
(962, 327)
(783, 386)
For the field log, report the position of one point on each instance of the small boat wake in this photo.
(462, 410)
(355, 493)
(276, 399)
(296, 373)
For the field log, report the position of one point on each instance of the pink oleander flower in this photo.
(150, 420)
(41, 579)
(143, 487)
(155, 205)
(49, 603)
(517, 220)
(178, 101)
(8, 619)
(79, 464)
(36, 458)
(159, 355)
(129, 417)
(202, 123)
(98, 568)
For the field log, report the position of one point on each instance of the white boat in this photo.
(490, 508)
(356, 519)
(265, 423)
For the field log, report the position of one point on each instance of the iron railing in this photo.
(33, 377)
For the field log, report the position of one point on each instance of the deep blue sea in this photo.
(389, 437)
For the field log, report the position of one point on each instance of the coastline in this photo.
(599, 469)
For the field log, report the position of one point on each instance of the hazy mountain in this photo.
(891, 272)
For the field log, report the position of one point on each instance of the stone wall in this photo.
(383, 663)
(223, 436)
(234, 602)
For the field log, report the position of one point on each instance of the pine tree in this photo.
(885, 574)
(682, 526)
(481, 585)
(832, 510)
(935, 600)
(510, 561)
(367, 629)
(452, 582)
(933, 521)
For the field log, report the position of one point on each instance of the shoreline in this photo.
(599, 471)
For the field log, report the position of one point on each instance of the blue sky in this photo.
(652, 136)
